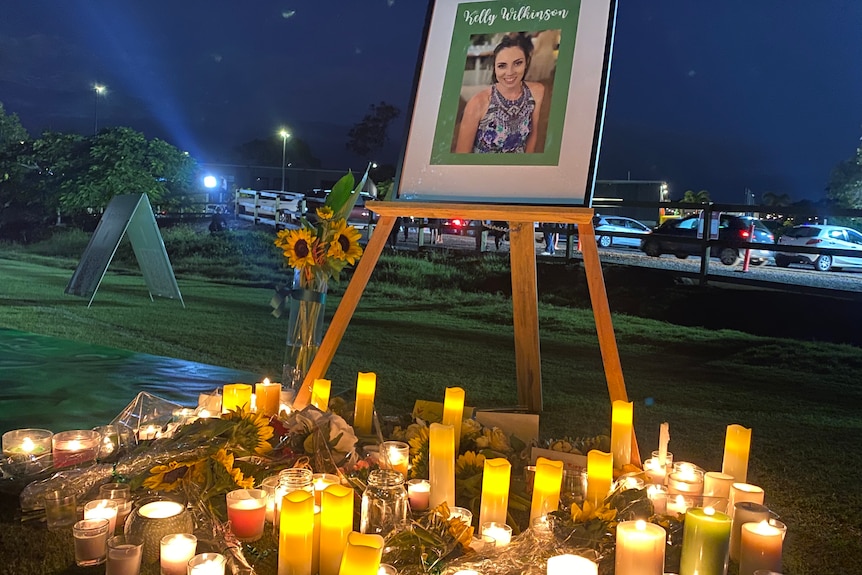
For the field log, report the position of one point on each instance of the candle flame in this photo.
(708, 511)
(266, 381)
(640, 525)
(27, 445)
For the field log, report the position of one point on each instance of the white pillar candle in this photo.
(103, 509)
(571, 565)
(175, 551)
(744, 512)
(716, 490)
(740, 492)
(640, 548)
(761, 548)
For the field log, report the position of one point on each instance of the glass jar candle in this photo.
(385, 503)
(75, 447)
(290, 480)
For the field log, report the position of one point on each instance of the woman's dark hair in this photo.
(518, 40)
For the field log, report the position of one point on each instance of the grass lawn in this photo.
(426, 323)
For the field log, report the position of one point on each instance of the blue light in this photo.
(210, 181)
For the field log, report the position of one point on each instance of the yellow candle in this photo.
(296, 535)
(315, 542)
(362, 554)
(366, 385)
(453, 412)
(640, 548)
(546, 487)
(441, 464)
(320, 393)
(336, 522)
(236, 396)
(600, 475)
(495, 491)
(760, 548)
(267, 397)
(737, 443)
(621, 433)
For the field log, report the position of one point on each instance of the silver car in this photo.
(609, 225)
(817, 236)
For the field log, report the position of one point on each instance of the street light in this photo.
(98, 90)
(284, 136)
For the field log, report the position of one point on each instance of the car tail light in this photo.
(456, 223)
(744, 234)
(813, 242)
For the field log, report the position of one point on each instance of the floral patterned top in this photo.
(506, 125)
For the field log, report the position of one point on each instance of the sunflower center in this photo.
(343, 242)
(301, 248)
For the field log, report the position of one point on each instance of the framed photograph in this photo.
(509, 102)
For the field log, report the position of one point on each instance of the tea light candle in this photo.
(679, 504)
(320, 391)
(744, 512)
(499, 532)
(621, 433)
(366, 385)
(75, 447)
(453, 411)
(270, 484)
(461, 513)
(207, 564)
(658, 495)
(387, 569)
(395, 455)
(236, 397)
(418, 493)
(546, 487)
(102, 509)
(495, 491)
(737, 443)
(655, 472)
(705, 542)
(686, 479)
(571, 565)
(441, 464)
(29, 447)
(761, 547)
(336, 522)
(599, 476)
(640, 548)
(160, 509)
(321, 481)
(267, 397)
(147, 433)
(175, 552)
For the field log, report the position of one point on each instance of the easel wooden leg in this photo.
(345, 309)
(604, 325)
(525, 307)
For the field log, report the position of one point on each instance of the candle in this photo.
(655, 472)
(296, 534)
(209, 402)
(102, 509)
(599, 476)
(320, 481)
(640, 548)
(495, 491)
(387, 569)
(207, 564)
(91, 538)
(366, 385)
(462, 513)
(237, 397)
(362, 554)
(175, 552)
(124, 555)
(75, 447)
(499, 532)
(621, 433)
(679, 504)
(760, 548)
(315, 543)
(716, 490)
(418, 493)
(453, 411)
(571, 565)
(780, 526)
(24, 444)
(395, 455)
(663, 440)
(270, 485)
(686, 479)
(336, 522)
(320, 391)
(246, 511)
(658, 496)
(267, 397)
(740, 492)
(705, 542)
(737, 443)
(147, 433)
(744, 512)
(546, 487)
(441, 464)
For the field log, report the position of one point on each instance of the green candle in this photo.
(705, 542)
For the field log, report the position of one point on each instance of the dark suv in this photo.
(732, 231)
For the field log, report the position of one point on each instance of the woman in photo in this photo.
(503, 117)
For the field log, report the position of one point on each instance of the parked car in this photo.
(619, 224)
(832, 237)
(732, 231)
(359, 217)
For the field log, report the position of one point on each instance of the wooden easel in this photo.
(524, 291)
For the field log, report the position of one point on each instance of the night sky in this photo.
(758, 94)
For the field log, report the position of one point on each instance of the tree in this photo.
(690, 197)
(775, 200)
(260, 152)
(11, 130)
(370, 135)
(845, 182)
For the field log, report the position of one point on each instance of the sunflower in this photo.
(588, 512)
(469, 464)
(298, 246)
(226, 460)
(419, 446)
(345, 243)
(325, 213)
(168, 477)
(252, 432)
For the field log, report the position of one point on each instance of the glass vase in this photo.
(385, 504)
(305, 328)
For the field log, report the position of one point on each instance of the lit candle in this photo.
(663, 440)
(546, 487)
(621, 433)
(744, 512)
(366, 385)
(396, 456)
(176, 550)
(495, 491)
(686, 479)
(640, 548)
(679, 504)
(320, 391)
(386, 569)
(336, 522)
(103, 509)
(211, 402)
(737, 443)
(75, 447)
(267, 397)
(600, 475)
(320, 481)
(655, 472)
(270, 485)
(716, 490)
(207, 564)
(418, 493)
(361, 555)
(571, 565)
(237, 397)
(441, 464)
(246, 511)
(499, 532)
(658, 496)
(740, 492)
(453, 411)
(147, 433)
(760, 548)
(296, 534)
(705, 542)
(26, 444)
